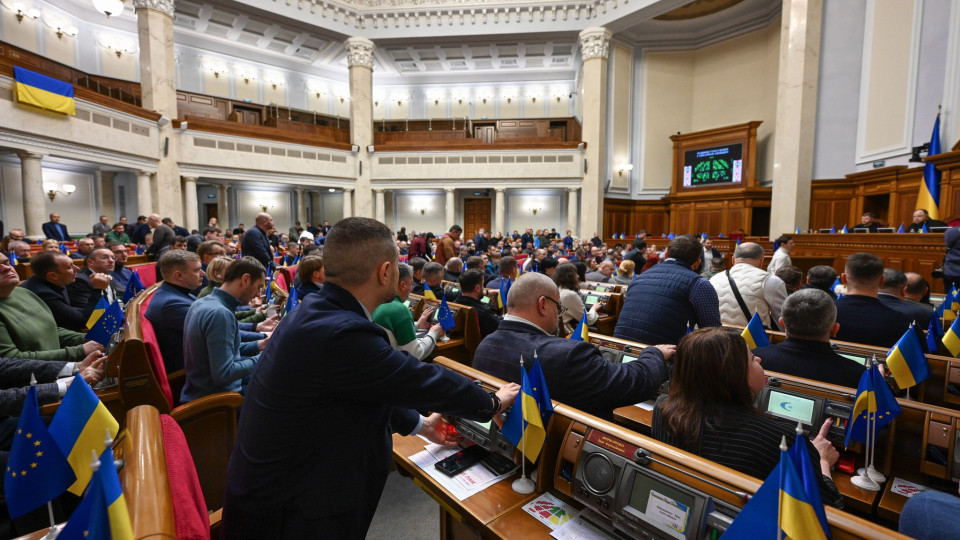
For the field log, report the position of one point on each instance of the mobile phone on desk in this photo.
(461, 461)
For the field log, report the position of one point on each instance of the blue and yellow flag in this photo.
(44, 92)
(924, 229)
(754, 333)
(428, 293)
(581, 332)
(935, 336)
(103, 511)
(525, 423)
(538, 382)
(874, 400)
(844, 230)
(810, 477)
(906, 360)
(139, 250)
(64, 249)
(504, 290)
(954, 299)
(134, 286)
(929, 196)
(107, 324)
(900, 230)
(779, 509)
(98, 311)
(293, 300)
(37, 470)
(945, 309)
(445, 316)
(12, 258)
(951, 340)
(79, 427)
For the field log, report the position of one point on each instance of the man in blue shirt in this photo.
(214, 357)
(121, 276)
(55, 230)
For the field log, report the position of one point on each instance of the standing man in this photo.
(101, 227)
(447, 249)
(162, 237)
(177, 230)
(138, 233)
(781, 257)
(480, 241)
(756, 290)
(285, 479)
(256, 242)
(55, 230)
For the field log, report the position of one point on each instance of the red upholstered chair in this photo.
(189, 508)
(283, 280)
(147, 273)
(153, 352)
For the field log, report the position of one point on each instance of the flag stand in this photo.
(523, 484)
(865, 480)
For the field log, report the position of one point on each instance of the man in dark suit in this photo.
(89, 283)
(84, 247)
(55, 230)
(576, 373)
(177, 230)
(526, 238)
(480, 241)
(53, 272)
(471, 292)
(809, 318)
(921, 218)
(867, 224)
(168, 308)
(861, 315)
(140, 231)
(256, 243)
(285, 478)
(892, 295)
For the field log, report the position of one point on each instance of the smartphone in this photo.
(461, 461)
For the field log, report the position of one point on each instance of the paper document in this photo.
(550, 510)
(646, 405)
(907, 489)
(579, 529)
(463, 485)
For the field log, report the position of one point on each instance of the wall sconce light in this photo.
(52, 190)
(60, 27)
(117, 44)
(484, 101)
(422, 211)
(265, 207)
(624, 167)
(535, 210)
(558, 99)
(534, 98)
(22, 12)
(509, 99)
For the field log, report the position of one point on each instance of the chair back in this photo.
(190, 510)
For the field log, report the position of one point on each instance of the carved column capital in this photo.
(163, 6)
(360, 52)
(594, 42)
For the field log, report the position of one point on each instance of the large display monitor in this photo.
(713, 165)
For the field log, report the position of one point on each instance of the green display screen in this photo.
(791, 406)
(628, 358)
(591, 299)
(485, 300)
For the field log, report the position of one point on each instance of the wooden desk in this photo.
(853, 497)
(517, 523)
(472, 514)
(635, 418)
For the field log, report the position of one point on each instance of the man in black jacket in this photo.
(256, 242)
(471, 294)
(52, 274)
(89, 284)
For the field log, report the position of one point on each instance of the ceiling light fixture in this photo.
(110, 8)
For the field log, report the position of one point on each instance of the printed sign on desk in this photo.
(550, 511)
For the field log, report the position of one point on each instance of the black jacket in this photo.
(814, 360)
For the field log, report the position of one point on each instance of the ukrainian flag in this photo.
(79, 427)
(874, 399)
(98, 311)
(954, 299)
(504, 290)
(44, 92)
(844, 230)
(951, 340)
(946, 308)
(907, 362)
(755, 334)
(929, 196)
(798, 519)
(103, 511)
(428, 293)
(525, 423)
(581, 332)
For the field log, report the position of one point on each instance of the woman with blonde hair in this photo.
(625, 273)
(50, 245)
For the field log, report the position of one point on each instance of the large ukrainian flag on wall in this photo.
(44, 92)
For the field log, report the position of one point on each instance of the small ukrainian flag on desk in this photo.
(44, 92)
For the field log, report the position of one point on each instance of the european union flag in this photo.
(810, 477)
(134, 286)
(139, 250)
(98, 312)
(445, 316)
(581, 332)
(107, 325)
(64, 249)
(874, 400)
(671, 236)
(754, 333)
(780, 508)
(504, 290)
(906, 360)
(836, 283)
(37, 470)
(293, 300)
(525, 423)
(103, 511)
(900, 230)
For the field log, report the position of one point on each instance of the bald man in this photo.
(576, 373)
(256, 241)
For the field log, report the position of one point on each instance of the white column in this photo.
(191, 219)
(347, 203)
(796, 114)
(573, 206)
(594, 46)
(223, 208)
(360, 66)
(34, 205)
(501, 212)
(451, 207)
(301, 206)
(144, 193)
(107, 206)
(381, 209)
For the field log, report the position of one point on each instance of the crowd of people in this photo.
(214, 321)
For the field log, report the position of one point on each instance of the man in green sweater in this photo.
(27, 327)
(396, 319)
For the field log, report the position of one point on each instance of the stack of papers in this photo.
(463, 485)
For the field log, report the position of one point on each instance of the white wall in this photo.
(77, 212)
(407, 210)
(248, 206)
(550, 213)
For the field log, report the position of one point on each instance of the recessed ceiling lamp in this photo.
(110, 8)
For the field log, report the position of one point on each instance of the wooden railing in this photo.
(261, 132)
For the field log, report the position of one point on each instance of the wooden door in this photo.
(476, 214)
(486, 134)
(212, 212)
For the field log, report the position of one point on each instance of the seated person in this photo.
(215, 359)
(452, 269)
(917, 292)
(920, 218)
(568, 281)
(396, 319)
(791, 276)
(432, 281)
(95, 281)
(710, 410)
(508, 272)
(892, 293)
(625, 273)
(930, 515)
(866, 222)
(821, 277)
(549, 266)
(118, 235)
(310, 272)
(292, 256)
(471, 292)
(575, 371)
(603, 273)
(121, 275)
(28, 329)
(417, 263)
(862, 316)
(53, 379)
(21, 249)
(52, 274)
(207, 251)
(84, 247)
(50, 245)
(810, 320)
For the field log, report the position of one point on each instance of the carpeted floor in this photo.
(405, 512)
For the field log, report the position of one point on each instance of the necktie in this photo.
(63, 235)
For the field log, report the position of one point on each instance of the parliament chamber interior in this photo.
(824, 136)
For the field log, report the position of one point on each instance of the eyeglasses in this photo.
(560, 309)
